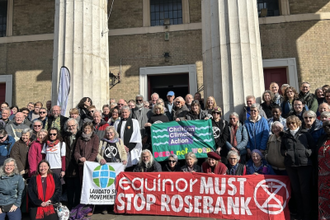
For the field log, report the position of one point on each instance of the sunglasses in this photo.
(253, 110)
(178, 102)
(42, 112)
(52, 134)
(291, 123)
(218, 113)
(120, 104)
(138, 100)
(1, 137)
(308, 117)
(172, 161)
(37, 126)
(232, 158)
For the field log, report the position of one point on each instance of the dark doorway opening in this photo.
(2, 92)
(161, 84)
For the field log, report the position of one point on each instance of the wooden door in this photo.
(277, 75)
(2, 92)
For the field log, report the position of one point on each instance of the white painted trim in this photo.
(289, 64)
(26, 38)
(146, 13)
(10, 11)
(155, 29)
(145, 71)
(185, 12)
(8, 79)
(293, 18)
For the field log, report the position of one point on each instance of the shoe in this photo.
(104, 212)
(89, 214)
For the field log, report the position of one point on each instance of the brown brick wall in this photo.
(308, 6)
(126, 14)
(195, 11)
(30, 63)
(133, 52)
(33, 17)
(304, 41)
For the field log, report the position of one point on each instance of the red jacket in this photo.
(220, 168)
(34, 156)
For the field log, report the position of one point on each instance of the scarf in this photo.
(115, 140)
(86, 137)
(52, 143)
(233, 169)
(47, 210)
(233, 140)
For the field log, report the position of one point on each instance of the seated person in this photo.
(213, 164)
(147, 163)
(171, 164)
(258, 165)
(233, 165)
(191, 163)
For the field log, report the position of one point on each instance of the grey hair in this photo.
(250, 96)
(67, 121)
(6, 109)
(139, 96)
(37, 121)
(98, 111)
(232, 152)
(8, 160)
(149, 164)
(3, 132)
(326, 104)
(305, 83)
(192, 155)
(235, 114)
(285, 85)
(155, 93)
(27, 130)
(125, 107)
(325, 114)
(309, 113)
(278, 124)
(107, 129)
(175, 157)
(255, 105)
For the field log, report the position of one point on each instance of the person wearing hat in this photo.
(220, 133)
(169, 104)
(214, 165)
(258, 165)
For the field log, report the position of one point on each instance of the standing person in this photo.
(14, 109)
(99, 124)
(74, 113)
(220, 133)
(307, 97)
(19, 152)
(54, 151)
(198, 97)
(15, 128)
(36, 127)
(196, 113)
(238, 137)
(142, 115)
(83, 105)
(297, 147)
(250, 100)
(129, 132)
(327, 96)
(147, 163)
(189, 98)
(44, 191)
(154, 97)
(71, 167)
(6, 144)
(35, 113)
(106, 114)
(30, 106)
(180, 110)
(313, 125)
(323, 157)
(114, 116)
(34, 155)
(11, 190)
(233, 165)
(56, 120)
(277, 98)
(319, 95)
(298, 109)
(276, 116)
(258, 131)
(283, 88)
(169, 104)
(210, 104)
(48, 107)
(273, 153)
(5, 114)
(268, 103)
(290, 95)
(191, 163)
(214, 165)
(42, 116)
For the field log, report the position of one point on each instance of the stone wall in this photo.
(307, 6)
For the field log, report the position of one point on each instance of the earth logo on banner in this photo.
(277, 199)
(104, 176)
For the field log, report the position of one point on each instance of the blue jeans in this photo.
(17, 215)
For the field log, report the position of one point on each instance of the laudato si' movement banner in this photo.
(182, 137)
(98, 185)
(203, 195)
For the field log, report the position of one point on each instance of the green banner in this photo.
(182, 137)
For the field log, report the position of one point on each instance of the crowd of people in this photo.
(286, 134)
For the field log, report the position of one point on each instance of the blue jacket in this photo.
(11, 189)
(250, 168)
(258, 133)
(316, 130)
(241, 138)
(6, 146)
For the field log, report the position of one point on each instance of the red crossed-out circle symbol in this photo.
(273, 188)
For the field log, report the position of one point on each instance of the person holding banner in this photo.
(44, 191)
(147, 163)
(191, 163)
(258, 165)
(213, 164)
(180, 109)
(129, 132)
(196, 113)
(234, 167)
(111, 148)
(172, 164)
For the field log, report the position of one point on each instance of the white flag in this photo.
(63, 89)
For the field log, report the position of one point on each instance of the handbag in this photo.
(6, 208)
(62, 211)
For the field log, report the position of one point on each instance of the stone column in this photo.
(81, 44)
(232, 62)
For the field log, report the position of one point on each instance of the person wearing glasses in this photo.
(196, 113)
(323, 159)
(42, 116)
(36, 127)
(6, 144)
(11, 190)
(171, 164)
(299, 108)
(54, 151)
(180, 110)
(220, 133)
(313, 125)
(238, 137)
(89, 117)
(250, 100)
(34, 155)
(121, 103)
(258, 131)
(258, 165)
(106, 114)
(115, 116)
(297, 148)
(142, 115)
(308, 97)
(233, 165)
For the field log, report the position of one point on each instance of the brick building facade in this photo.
(295, 40)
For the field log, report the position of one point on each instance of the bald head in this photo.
(19, 118)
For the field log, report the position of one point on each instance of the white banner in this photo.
(98, 187)
(63, 89)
